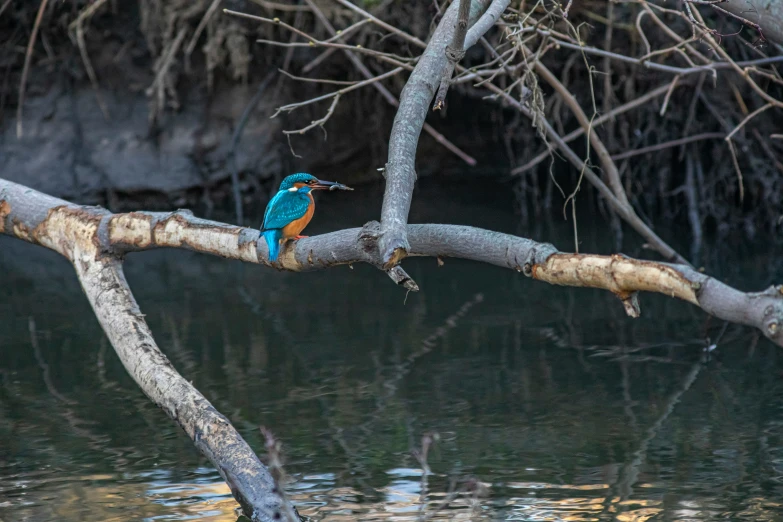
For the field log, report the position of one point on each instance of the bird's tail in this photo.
(272, 238)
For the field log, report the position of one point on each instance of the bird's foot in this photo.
(300, 237)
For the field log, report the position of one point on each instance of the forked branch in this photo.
(414, 104)
(455, 51)
(75, 233)
(57, 224)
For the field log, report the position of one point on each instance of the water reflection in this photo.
(549, 398)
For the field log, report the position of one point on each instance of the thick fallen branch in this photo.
(76, 232)
(56, 224)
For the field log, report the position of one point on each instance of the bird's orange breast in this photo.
(295, 227)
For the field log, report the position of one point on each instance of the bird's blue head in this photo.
(304, 182)
(300, 179)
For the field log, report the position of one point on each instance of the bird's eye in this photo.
(310, 181)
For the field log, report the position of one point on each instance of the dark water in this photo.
(558, 405)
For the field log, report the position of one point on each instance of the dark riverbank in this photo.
(167, 136)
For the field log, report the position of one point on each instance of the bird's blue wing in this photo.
(283, 208)
(269, 207)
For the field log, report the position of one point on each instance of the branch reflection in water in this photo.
(551, 398)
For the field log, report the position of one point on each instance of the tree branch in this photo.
(768, 15)
(624, 211)
(485, 23)
(364, 71)
(76, 232)
(571, 136)
(401, 205)
(610, 169)
(455, 51)
(414, 103)
(59, 225)
(462, 41)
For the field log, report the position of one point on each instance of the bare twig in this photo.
(316, 80)
(683, 71)
(624, 211)
(737, 169)
(3, 7)
(668, 95)
(319, 122)
(235, 138)
(380, 23)
(26, 68)
(668, 31)
(278, 6)
(392, 253)
(641, 100)
(314, 42)
(691, 196)
(747, 119)
(388, 96)
(767, 14)
(199, 29)
(77, 26)
(336, 94)
(455, 51)
(738, 68)
(157, 91)
(669, 144)
(328, 52)
(610, 169)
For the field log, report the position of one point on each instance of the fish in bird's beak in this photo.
(330, 185)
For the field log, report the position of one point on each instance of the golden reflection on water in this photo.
(114, 498)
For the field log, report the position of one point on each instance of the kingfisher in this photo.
(291, 209)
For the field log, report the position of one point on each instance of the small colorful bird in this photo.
(291, 209)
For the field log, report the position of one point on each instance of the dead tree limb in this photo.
(768, 15)
(455, 51)
(464, 39)
(93, 237)
(611, 172)
(400, 170)
(414, 104)
(82, 235)
(626, 212)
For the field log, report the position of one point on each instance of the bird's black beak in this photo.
(330, 185)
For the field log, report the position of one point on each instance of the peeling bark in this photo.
(5, 209)
(84, 236)
(59, 225)
(619, 274)
(104, 284)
